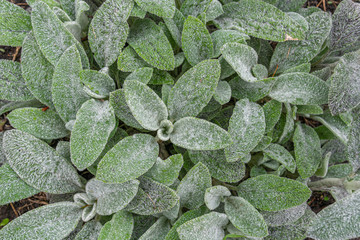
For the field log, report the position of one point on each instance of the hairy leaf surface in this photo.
(300, 88)
(192, 187)
(14, 24)
(245, 217)
(293, 53)
(198, 134)
(241, 58)
(162, 8)
(193, 90)
(36, 70)
(152, 198)
(108, 30)
(119, 228)
(218, 167)
(52, 36)
(95, 121)
(338, 221)
(128, 159)
(146, 106)
(67, 92)
(345, 84)
(207, 227)
(54, 221)
(111, 197)
(122, 110)
(166, 171)
(272, 193)
(12, 84)
(42, 124)
(38, 164)
(261, 20)
(196, 41)
(307, 148)
(13, 188)
(246, 128)
(150, 42)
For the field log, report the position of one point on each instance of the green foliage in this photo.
(14, 188)
(245, 217)
(108, 31)
(180, 120)
(273, 193)
(42, 124)
(14, 88)
(51, 221)
(14, 24)
(150, 42)
(196, 41)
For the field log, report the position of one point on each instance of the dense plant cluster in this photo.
(198, 119)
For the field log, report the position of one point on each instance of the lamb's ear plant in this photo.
(179, 120)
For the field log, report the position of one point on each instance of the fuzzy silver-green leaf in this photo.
(130, 158)
(95, 120)
(38, 164)
(272, 193)
(42, 124)
(109, 29)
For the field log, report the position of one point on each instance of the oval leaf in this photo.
(344, 89)
(241, 58)
(13, 87)
(273, 193)
(51, 34)
(207, 227)
(130, 158)
(36, 70)
(245, 217)
(146, 106)
(152, 198)
(108, 30)
(214, 195)
(192, 187)
(246, 128)
(38, 164)
(198, 134)
(307, 148)
(194, 89)
(111, 197)
(14, 24)
(54, 221)
(300, 89)
(196, 41)
(249, 17)
(42, 124)
(67, 91)
(95, 120)
(150, 42)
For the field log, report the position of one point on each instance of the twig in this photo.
(13, 208)
(16, 53)
(287, 55)
(277, 66)
(38, 202)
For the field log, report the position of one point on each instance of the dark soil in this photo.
(317, 201)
